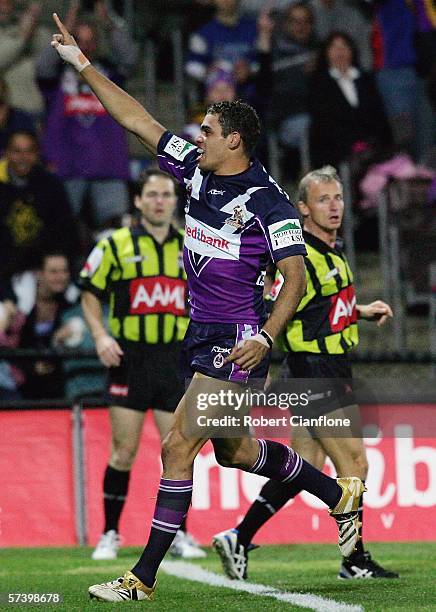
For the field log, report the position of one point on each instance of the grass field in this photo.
(308, 569)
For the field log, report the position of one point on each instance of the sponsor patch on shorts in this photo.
(119, 390)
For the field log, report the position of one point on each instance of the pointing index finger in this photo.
(62, 29)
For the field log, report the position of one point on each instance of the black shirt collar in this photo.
(322, 246)
(140, 230)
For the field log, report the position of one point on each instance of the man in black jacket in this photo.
(35, 215)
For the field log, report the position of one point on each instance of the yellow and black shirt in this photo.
(326, 318)
(145, 282)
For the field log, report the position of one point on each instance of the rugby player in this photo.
(140, 272)
(317, 342)
(225, 264)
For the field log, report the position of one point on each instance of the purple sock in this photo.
(280, 462)
(173, 500)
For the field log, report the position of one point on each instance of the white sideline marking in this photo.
(189, 571)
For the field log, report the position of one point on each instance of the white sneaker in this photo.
(107, 547)
(233, 555)
(186, 547)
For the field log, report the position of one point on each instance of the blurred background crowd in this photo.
(346, 82)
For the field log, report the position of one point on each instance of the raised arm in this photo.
(119, 104)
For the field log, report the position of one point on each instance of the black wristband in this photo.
(267, 337)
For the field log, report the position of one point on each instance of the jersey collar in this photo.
(140, 230)
(321, 246)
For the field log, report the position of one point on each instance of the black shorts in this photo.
(331, 384)
(147, 378)
(206, 345)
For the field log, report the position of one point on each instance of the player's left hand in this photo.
(376, 311)
(248, 354)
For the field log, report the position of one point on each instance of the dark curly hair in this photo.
(238, 117)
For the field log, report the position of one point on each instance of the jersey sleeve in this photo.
(281, 227)
(95, 274)
(177, 156)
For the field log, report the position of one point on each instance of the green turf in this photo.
(296, 568)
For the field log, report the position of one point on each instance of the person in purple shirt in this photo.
(228, 42)
(237, 220)
(81, 143)
(398, 27)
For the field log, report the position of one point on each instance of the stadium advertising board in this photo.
(36, 461)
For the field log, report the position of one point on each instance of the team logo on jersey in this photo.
(343, 310)
(239, 218)
(216, 192)
(238, 211)
(285, 233)
(178, 148)
(157, 295)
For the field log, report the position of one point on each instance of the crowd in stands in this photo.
(349, 79)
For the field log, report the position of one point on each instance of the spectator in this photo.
(346, 111)
(11, 119)
(11, 323)
(35, 214)
(84, 377)
(220, 87)
(425, 18)
(395, 57)
(81, 142)
(331, 15)
(227, 42)
(290, 59)
(44, 377)
(21, 40)
(253, 8)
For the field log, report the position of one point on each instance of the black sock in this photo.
(115, 485)
(183, 526)
(322, 486)
(359, 546)
(272, 497)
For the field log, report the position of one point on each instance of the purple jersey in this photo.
(234, 226)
